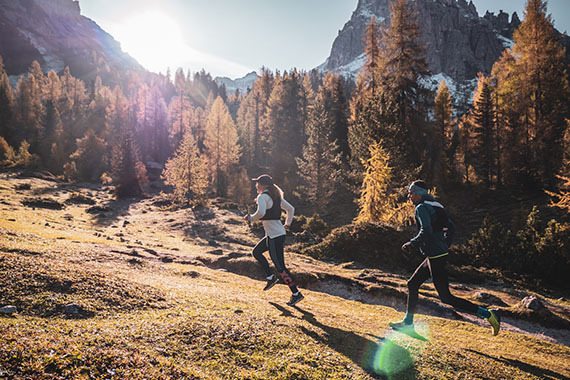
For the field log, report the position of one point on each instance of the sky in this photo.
(234, 37)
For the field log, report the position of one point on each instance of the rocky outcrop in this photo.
(458, 42)
(54, 33)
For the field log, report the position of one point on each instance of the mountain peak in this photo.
(458, 42)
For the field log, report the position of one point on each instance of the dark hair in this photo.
(274, 192)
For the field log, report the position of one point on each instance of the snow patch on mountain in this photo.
(432, 82)
(350, 70)
(241, 84)
(507, 42)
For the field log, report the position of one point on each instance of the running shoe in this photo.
(271, 282)
(295, 299)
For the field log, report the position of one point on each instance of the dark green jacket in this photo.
(429, 242)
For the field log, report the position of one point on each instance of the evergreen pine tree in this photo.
(320, 164)
(373, 59)
(443, 133)
(482, 132)
(444, 115)
(403, 63)
(253, 133)
(124, 165)
(89, 158)
(285, 123)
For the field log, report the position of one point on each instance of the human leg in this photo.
(276, 251)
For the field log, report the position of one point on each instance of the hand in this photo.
(247, 218)
(407, 247)
(287, 227)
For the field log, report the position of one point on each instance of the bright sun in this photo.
(152, 38)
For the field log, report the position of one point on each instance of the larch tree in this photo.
(541, 78)
(29, 106)
(6, 104)
(221, 142)
(187, 172)
(378, 202)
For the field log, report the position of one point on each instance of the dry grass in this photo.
(162, 320)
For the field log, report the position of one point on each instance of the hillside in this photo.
(55, 34)
(133, 289)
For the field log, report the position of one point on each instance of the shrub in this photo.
(316, 225)
(491, 245)
(7, 154)
(535, 249)
(367, 243)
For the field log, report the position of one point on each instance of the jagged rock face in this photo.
(458, 42)
(348, 45)
(54, 33)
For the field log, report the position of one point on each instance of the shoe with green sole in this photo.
(495, 321)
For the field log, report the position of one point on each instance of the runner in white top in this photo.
(273, 228)
(270, 202)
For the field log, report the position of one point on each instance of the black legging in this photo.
(275, 247)
(435, 268)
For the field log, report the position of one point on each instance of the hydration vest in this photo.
(274, 213)
(441, 221)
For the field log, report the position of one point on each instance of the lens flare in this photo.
(395, 355)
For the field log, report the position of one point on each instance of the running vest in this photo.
(274, 213)
(440, 220)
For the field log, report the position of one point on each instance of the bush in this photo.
(369, 244)
(316, 225)
(7, 154)
(491, 245)
(537, 250)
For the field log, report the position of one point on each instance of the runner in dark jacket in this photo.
(435, 231)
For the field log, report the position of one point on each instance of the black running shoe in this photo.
(295, 299)
(271, 283)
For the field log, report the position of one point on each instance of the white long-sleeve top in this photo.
(273, 228)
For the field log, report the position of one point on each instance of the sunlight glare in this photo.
(152, 38)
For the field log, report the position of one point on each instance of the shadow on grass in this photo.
(383, 358)
(541, 373)
(116, 208)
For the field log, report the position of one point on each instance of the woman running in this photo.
(270, 202)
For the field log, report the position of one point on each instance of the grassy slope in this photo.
(151, 319)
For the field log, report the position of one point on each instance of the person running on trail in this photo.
(270, 202)
(435, 231)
